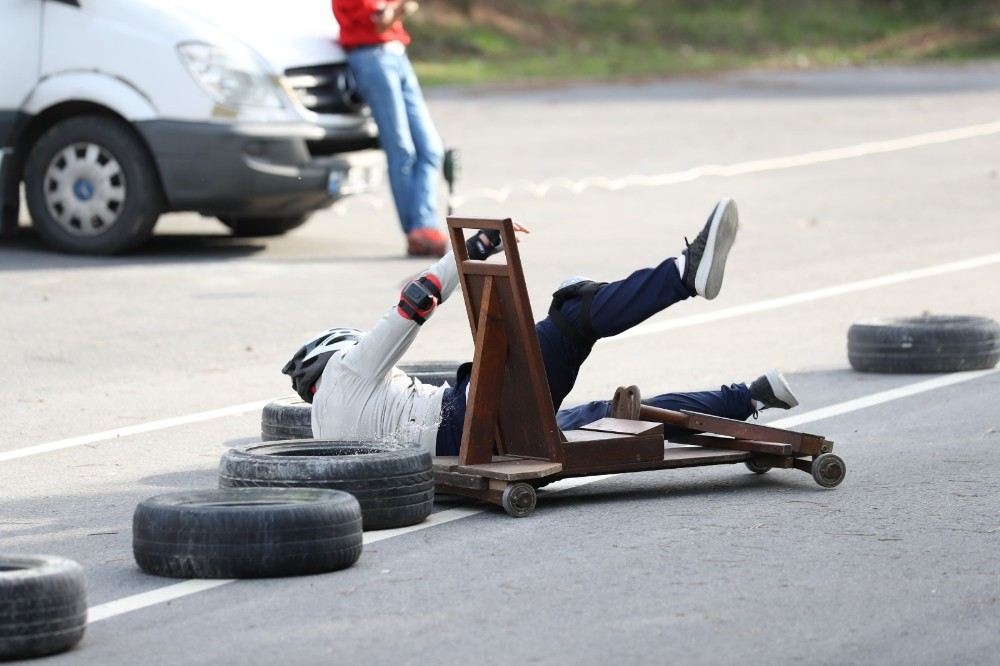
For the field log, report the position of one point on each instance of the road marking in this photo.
(814, 295)
(187, 588)
(881, 398)
(640, 330)
(541, 189)
(132, 430)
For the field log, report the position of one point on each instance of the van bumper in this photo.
(257, 170)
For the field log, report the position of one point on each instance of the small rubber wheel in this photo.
(519, 499)
(829, 470)
(756, 467)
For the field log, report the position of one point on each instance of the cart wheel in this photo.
(756, 467)
(828, 470)
(518, 499)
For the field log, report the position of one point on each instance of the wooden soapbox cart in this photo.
(510, 442)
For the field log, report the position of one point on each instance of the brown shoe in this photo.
(427, 242)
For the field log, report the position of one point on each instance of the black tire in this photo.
(81, 220)
(290, 418)
(43, 605)
(435, 373)
(286, 418)
(246, 533)
(393, 484)
(249, 227)
(924, 344)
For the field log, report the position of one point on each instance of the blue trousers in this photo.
(412, 146)
(615, 308)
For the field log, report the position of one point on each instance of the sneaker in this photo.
(771, 389)
(427, 242)
(705, 258)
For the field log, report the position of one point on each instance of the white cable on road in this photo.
(187, 588)
(543, 188)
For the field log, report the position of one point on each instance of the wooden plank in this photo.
(484, 494)
(801, 443)
(486, 381)
(688, 456)
(527, 424)
(512, 470)
(460, 480)
(585, 448)
(718, 442)
(624, 426)
(483, 268)
(450, 463)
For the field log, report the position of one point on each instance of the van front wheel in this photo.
(91, 187)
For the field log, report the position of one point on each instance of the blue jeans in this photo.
(617, 307)
(412, 146)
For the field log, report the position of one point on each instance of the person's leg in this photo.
(566, 342)
(616, 307)
(731, 402)
(429, 152)
(380, 85)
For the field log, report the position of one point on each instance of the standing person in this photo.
(358, 394)
(372, 33)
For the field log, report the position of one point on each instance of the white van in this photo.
(115, 111)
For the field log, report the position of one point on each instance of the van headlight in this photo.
(232, 79)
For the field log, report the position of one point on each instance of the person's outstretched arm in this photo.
(385, 344)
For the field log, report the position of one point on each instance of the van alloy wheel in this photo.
(85, 189)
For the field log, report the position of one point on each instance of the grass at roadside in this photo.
(489, 41)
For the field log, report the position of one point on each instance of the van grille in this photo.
(325, 89)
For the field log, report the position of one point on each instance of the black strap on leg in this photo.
(582, 332)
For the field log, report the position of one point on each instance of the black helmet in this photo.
(307, 365)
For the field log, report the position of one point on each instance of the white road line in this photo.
(881, 398)
(132, 430)
(187, 588)
(541, 189)
(814, 295)
(642, 329)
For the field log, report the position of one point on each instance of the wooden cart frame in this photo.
(510, 441)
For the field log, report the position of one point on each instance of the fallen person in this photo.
(358, 394)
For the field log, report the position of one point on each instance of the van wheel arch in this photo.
(44, 121)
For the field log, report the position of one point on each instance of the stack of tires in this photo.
(284, 508)
(928, 343)
(290, 505)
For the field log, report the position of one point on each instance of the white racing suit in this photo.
(363, 397)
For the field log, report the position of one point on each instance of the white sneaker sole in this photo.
(782, 391)
(721, 234)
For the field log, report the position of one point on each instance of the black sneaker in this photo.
(706, 256)
(772, 390)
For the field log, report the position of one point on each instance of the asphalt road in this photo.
(705, 566)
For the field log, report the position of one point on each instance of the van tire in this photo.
(249, 227)
(291, 417)
(135, 180)
(43, 605)
(246, 533)
(394, 484)
(927, 343)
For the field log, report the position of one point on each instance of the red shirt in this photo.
(357, 27)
